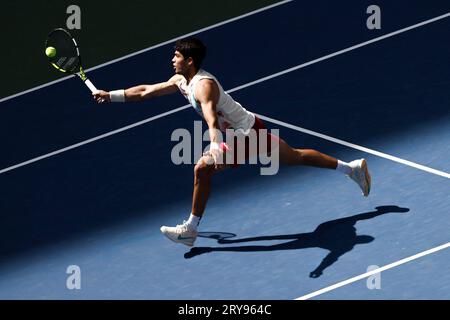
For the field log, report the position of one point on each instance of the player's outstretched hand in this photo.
(101, 96)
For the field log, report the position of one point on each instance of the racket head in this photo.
(67, 58)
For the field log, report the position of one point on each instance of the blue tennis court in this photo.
(96, 191)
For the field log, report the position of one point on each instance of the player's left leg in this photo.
(203, 172)
(186, 233)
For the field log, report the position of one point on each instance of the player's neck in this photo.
(189, 75)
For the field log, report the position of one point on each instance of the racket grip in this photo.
(89, 84)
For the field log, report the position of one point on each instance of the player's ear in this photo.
(190, 61)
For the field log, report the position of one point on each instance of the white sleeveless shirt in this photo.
(231, 114)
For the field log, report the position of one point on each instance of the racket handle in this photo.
(89, 84)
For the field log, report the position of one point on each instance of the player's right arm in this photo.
(142, 92)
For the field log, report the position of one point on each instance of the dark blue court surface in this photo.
(100, 206)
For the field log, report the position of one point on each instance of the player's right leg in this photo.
(357, 170)
(360, 174)
(305, 157)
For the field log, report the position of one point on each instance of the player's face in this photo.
(180, 65)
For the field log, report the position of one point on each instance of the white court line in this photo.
(368, 274)
(108, 134)
(151, 48)
(300, 66)
(232, 90)
(357, 147)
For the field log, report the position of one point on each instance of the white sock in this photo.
(193, 222)
(344, 167)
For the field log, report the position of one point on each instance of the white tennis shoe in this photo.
(360, 174)
(180, 234)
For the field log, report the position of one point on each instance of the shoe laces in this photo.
(183, 227)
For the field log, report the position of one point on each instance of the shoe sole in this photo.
(367, 177)
(178, 241)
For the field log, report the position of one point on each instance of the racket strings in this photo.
(66, 58)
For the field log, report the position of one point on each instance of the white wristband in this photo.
(214, 146)
(117, 95)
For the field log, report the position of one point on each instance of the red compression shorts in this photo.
(260, 150)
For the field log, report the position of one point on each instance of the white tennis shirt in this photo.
(231, 114)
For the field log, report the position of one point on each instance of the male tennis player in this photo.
(221, 112)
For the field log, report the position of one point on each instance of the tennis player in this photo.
(221, 112)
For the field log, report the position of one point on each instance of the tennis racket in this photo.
(67, 58)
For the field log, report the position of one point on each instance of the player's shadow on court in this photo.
(338, 236)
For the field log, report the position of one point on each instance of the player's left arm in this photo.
(207, 94)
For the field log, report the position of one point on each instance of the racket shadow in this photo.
(219, 236)
(338, 236)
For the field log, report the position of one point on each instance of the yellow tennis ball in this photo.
(50, 52)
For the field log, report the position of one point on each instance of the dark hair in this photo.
(192, 48)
